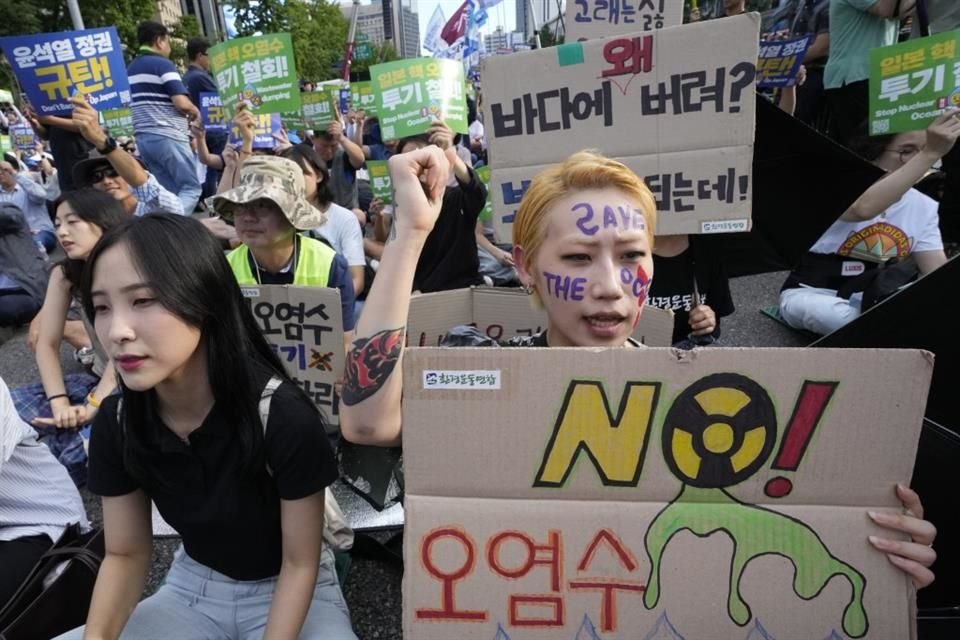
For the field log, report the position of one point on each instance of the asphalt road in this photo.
(373, 588)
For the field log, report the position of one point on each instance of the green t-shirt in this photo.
(853, 33)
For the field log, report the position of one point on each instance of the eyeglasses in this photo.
(100, 174)
(906, 153)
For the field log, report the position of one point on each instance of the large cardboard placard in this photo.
(52, 67)
(676, 105)
(601, 18)
(599, 494)
(912, 83)
(304, 325)
(502, 313)
(258, 71)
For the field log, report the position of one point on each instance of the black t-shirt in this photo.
(229, 520)
(672, 286)
(68, 149)
(449, 258)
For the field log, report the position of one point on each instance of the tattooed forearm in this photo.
(370, 362)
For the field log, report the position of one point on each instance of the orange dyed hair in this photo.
(583, 170)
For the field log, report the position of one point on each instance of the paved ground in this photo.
(373, 588)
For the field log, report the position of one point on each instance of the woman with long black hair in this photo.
(210, 427)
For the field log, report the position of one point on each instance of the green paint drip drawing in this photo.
(707, 511)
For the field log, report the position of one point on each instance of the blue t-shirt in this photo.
(198, 81)
(154, 80)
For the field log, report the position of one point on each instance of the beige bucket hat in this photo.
(276, 179)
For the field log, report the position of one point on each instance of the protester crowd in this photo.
(157, 234)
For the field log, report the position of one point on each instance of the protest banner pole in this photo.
(536, 23)
(351, 37)
(75, 15)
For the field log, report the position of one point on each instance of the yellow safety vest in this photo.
(314, 260)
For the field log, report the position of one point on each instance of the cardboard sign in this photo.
(780, 61)
(211, 112)
(586, 19)
(52, 67)
(483, 174)
(362, 98)
(912, 83)
(119, 122)
(503, 313)
(268, 125)
(259, 71)
(413, 94)
(676, 106)
(23, 137)
(380, 184)
(622, 493)
(304, 326)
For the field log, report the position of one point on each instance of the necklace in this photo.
(292, 264)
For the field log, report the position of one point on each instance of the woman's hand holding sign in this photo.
(915, 556)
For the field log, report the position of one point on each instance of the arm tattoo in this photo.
(369, 363)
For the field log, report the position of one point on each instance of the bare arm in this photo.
(503, 257)
(57, 121)
(301, 524)
(85, 117)
(820, 48)
(53, 316)
(886, 8)
(927, 261)
(123, 573)
(183, 105)
(941, 136)
(370, 413)
(354, 152)
(356, 275)
(213, 161)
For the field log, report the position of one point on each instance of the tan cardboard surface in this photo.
(502, 313)
(606, 494)
(676, 104)
(585, 19)
(305, 326)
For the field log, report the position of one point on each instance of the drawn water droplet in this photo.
(664, 630)
(588, 631)
(834, 636)
(501, 634)
(758, 632)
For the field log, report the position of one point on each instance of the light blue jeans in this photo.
(197, 603)
(173, 165)
(821, 311)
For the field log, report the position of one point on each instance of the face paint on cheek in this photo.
(641, 285)
(564, 287)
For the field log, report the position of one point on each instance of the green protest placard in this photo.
(380, 184)
(319, 108)
(413, 94)
(483, 173)
(913, 82)
(362, 98)
(119, 122)
(258, 71)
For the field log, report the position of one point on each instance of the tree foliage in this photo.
(547, 38)
(379, 53)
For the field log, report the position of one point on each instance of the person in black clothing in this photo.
(210, 427)
(23, 274)
(449, 259)
(66, 144)
(691, 282)
(198, 80)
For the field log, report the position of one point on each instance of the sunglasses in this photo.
(100, 174)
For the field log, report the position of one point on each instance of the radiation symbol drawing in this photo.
(719, 431)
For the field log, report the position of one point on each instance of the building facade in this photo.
(209, 15)
(405, 31)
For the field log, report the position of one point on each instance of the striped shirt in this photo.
(153, 198)
(154, 80)
(37, 496)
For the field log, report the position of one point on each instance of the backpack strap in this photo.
(265, 399)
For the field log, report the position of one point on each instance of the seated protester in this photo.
(548, 239)
(890, 220)
(112, 170)
(449, 258)
(692, 283)
(22, 191)
(58, 406)
(23, 273)
(268, 210)
(245, 493)
(37, 501)
(343, 157)
(42, 171)
(340, 229)
(374, 146)
(496, 265)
